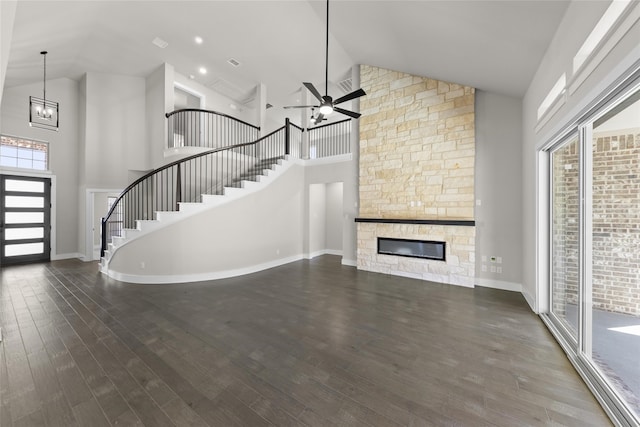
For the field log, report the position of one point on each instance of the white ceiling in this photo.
(491, 45)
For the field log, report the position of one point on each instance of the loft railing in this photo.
(295, 139)
(331, 139)
(188, 179)
(192, 127)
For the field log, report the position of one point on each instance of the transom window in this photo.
(23, 153)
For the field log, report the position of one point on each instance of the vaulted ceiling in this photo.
(492, 45)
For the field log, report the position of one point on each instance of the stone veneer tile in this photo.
(416, 143)
(458, 269)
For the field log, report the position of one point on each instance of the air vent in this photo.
(234, 62)
(346, 85)
(160, 43)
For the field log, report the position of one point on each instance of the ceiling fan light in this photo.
(326, 109)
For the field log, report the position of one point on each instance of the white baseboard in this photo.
(499, 284)
(323, 252)
(198, 277)
(349, 262)
(530, 300)
(508, 286)
(58, 257)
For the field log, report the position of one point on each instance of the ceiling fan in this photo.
(327, 103)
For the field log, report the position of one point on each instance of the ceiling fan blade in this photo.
(313, 90)
(355, 94)
(347, 112)
(301, 106)
(320, 118)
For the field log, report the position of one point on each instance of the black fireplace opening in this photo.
(426, 249)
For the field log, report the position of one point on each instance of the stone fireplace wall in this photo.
(417, 155)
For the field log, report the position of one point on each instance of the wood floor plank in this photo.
(308, 343)
(5, 412)
(89, 413)
(34, 419)
(87, 325)
(23, 399)
(182, 414)
(55, 407)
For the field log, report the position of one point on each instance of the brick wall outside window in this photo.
(615, 220)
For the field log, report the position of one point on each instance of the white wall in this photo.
(333, 217)
(114, 128)
(7, 17)
(113, 146)
(498, 189)
(159, 101)
(63, 150)
(576, 25)
(317, 218)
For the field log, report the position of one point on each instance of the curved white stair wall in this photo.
(247, 230)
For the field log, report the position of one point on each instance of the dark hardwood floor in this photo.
(310, 343)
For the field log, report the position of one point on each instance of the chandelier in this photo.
(43, 114)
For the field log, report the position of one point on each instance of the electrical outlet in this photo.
(499, 260)
(493, 268)
(142, 265)
(483, 268)
(484, 258)
(499, 270)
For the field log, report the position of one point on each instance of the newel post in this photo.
(178, 187)
(103, 237)
(287, 137)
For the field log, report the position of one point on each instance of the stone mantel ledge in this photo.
(455, 222)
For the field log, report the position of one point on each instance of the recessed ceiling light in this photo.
(160, 43)
(202, 70)
(198, 40)
(191, 76)
(233, 62)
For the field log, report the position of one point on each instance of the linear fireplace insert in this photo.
(426, 249)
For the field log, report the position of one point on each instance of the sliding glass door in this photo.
(594, 249)
(613, 339)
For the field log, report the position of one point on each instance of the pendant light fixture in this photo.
(43, 114)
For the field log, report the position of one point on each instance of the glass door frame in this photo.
(46, 224)
(580, 352)
(558, 144)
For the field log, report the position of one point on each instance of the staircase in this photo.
(193, 184)
(251, 179)
(145, 238)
